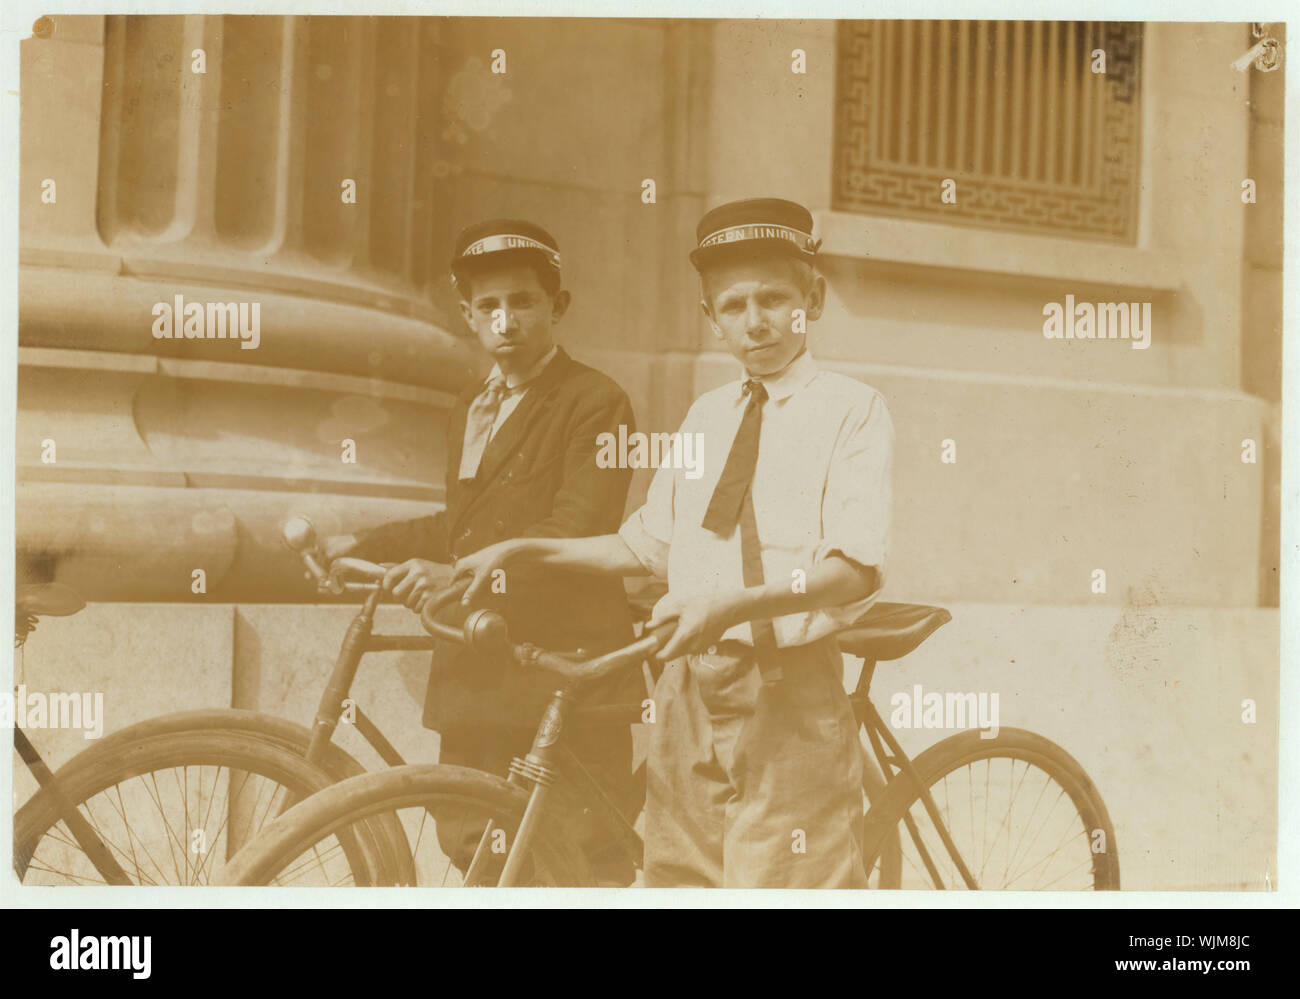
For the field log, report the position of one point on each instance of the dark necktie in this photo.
(728, 495)
(732, 503)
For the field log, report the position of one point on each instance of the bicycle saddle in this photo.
(47, 599)
(891, 631)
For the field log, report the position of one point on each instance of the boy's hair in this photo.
(464, 272)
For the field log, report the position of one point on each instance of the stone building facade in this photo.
(227, 185)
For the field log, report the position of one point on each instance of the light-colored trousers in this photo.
(753, 785)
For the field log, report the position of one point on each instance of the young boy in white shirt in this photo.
(754, 763)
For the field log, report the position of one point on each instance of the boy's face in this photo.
(512, 314)
(750, 305)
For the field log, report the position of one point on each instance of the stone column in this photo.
(207, 157)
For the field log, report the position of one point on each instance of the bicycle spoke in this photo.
(1029, 846)
(319, 862)
(121, 810)
(304, 861)
(132, 836)
(108, 840)
(157, 800)
(272, 804)
(424, 816)
(61, 834)
(1069, 833)
(202, 870)
(947, 820)
(76, 879)
(1014, 852)
(460, 831)
(1086, 862)
(988, 769)
(921, 872)
(1006, 821)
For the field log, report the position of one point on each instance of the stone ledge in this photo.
(113, 312)
(931, 245)
(226, 371)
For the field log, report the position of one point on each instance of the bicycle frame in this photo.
(540, 768)
(894, 767)
(358, 640)
(82, 831)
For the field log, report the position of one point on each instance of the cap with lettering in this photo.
(755, 224)
(503, 239)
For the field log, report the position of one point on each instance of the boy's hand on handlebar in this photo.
(320, 552)
(414, 581)
(700, 623)
(478, 568)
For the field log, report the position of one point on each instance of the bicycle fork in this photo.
(538, 770)
(336, 690)
(82, 831)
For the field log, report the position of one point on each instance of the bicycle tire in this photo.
(425, 786)
(157, 747)
(935, 764)
(335, 761)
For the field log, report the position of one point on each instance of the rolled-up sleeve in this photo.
(649, 531)
(857, 501)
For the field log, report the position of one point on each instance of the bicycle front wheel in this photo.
(1019, 810)
(445, 811)
(166, 805)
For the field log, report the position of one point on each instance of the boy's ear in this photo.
(467, 313)
(816, 298)
(560, 304)
(708, 314)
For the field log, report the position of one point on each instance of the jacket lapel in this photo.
(506, 440)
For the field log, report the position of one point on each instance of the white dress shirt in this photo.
(821, 486)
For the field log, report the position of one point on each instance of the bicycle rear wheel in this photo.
(1020, 810)
(170, 803)
(443, 809)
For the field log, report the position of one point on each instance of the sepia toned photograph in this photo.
(647, 453)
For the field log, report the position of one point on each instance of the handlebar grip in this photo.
(437, 602)
(661, 634)
(372, 571)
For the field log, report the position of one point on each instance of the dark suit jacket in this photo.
(538, 478)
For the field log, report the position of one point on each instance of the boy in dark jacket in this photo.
(521, 462)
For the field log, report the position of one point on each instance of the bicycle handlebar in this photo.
(484, 631)
(299, 534)
(596, 669)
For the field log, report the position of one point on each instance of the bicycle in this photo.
(159, 801)
(507, 832)
(164, 801)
